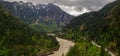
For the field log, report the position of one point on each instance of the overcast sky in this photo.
(74, 7)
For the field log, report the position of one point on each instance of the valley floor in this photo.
(64, 47)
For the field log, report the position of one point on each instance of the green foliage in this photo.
(45, 27)
(4, 51)
(101, 26)
(33, 38)
(85, 49)
(103, 53)
(17, 39)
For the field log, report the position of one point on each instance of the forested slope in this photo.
(17, 39)
(101, 26)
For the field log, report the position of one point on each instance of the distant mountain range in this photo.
(40, 16)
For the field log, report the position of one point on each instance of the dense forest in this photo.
(100, 26)
(17, 39)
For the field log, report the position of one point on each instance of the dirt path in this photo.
(105, 48)
(64, 47)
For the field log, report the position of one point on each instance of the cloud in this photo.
(74, 7)
(73, 10)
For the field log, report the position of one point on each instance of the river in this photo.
(64, 47)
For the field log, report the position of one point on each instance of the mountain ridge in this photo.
(45, 14)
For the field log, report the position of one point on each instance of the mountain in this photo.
(101, 26)
(17, 39)
(40, 15)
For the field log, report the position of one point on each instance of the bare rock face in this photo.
(47, 13)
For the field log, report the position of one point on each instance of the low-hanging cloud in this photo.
(76, 6)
